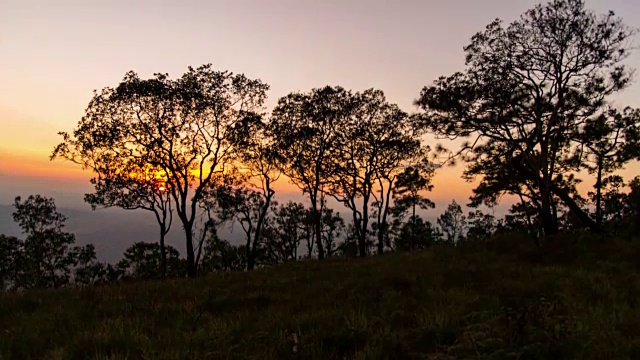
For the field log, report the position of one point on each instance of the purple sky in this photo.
(54, 53)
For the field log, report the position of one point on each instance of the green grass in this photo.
(477, 302)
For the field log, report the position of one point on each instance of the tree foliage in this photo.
(307, 125)
(528, 89)
(143, 261)
(188, 128)
(453, 222)
(48, 256)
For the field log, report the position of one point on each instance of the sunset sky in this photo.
(53, 54)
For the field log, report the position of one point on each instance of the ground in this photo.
(573, 299)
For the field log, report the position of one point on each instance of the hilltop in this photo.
(478, 301)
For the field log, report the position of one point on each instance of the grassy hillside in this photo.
(566, 301)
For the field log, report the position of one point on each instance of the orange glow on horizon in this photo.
(448, 182)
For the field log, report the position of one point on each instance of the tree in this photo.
(135, 185)
(416, 234)
(452, 222)
(11, 258)
(613, 200)
(219, 255)
(481, 225)
(260, 160)
(406, 151)
(88, 271)
(142, 261)
(632, 207)
(524, 217)
(17, 267)
(609, 141)
(408, 188)
(526, 91)
(187, 128)
(333, 228)
(247, 207)
(49, 256)
(307, 127)
(290, 225)
(610, 199)
(372, 141)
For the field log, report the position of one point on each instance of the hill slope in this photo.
(573, 302)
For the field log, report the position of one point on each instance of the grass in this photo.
(573, 300)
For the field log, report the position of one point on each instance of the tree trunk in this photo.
(563, 195)
(599, 194)
(381, 231)
(581, 214)
(317, 219)
(249, 254)
(357, 225)
(362, 241)
(554, 213)
(261, 217)
(192, 271)
(163, 252)
(413, 225)
(545, 211)
(384, 228)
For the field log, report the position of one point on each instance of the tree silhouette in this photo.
(247, 208)
(261, 161)
(307, 126)
(289, 228)
(613, 200)
(11, 256)
(527, 89)
(409, 186)
(134, 185)
(416, 234)
(481, 225)
(219, 255)
(188, 128)
(452, 222)
(142, 261)
(370, 140)
(632, 207)
(333, 227)
(406, 150)
(609, 141)
(49, 256)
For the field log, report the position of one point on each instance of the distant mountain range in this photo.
(112, 230)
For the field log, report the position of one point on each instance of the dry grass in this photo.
(571, 301)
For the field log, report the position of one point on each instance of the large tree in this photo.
(372, 142)
(307, 127)
(527, 89)
(186, 127)
(260, 161)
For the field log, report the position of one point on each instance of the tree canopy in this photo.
(527, 90)
(188, 129)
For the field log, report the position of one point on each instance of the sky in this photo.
(53, 54)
